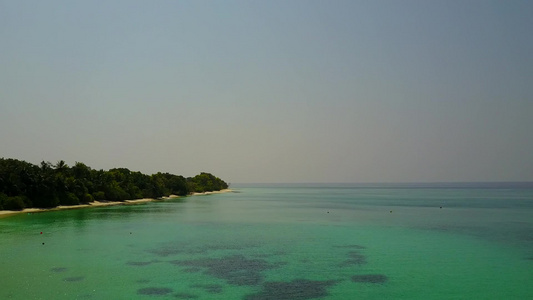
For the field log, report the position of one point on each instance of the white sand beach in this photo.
(214, 192)
(4, 213)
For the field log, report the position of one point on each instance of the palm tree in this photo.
(61, 166)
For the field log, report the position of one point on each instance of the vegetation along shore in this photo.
(29, 187)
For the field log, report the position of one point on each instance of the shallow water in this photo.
(280, 242)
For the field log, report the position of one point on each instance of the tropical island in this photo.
(25, 185)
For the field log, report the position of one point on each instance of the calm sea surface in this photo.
(445, 241)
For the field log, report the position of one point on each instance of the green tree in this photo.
(26, 185)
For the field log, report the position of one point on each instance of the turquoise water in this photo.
(281, 242)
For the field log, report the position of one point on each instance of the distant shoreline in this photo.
(5, 213)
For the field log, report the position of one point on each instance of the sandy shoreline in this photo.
(101, 203)
(215, 192)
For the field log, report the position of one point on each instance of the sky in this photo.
(272, 91)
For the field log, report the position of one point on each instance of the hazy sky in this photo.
(272, 91)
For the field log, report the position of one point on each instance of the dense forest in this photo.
(24, 185)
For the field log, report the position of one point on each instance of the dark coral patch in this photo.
(154, 291)
(185, 296)
(355, 258)
(138, 263)
(236, 269)
(143, 281)
(58, 269)
(174, 250)
(370, 278)
(74, 279)
(210, 288)
(299, 289)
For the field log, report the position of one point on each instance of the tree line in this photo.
(24, 185)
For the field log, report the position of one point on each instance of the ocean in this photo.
(299, 241)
